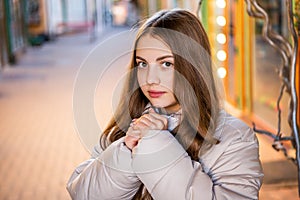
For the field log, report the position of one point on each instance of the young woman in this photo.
(169, 138)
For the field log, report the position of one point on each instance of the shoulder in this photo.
(230, 128)
(234, 136)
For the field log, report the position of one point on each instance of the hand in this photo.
(132, 138)
(150, 121)
(138, 127)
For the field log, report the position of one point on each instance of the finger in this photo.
(160, 120)
(133, 133)
(143, 126)
(132, 122)
(146, 121)
(151, 123)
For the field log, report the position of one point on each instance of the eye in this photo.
(141, 64)
(167, 64)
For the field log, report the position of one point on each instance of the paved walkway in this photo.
(39, 147)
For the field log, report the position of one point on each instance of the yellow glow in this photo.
(221, 55)
(221, 21)
(221, 38)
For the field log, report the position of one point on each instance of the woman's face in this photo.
(155, 72)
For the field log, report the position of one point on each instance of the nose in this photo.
(153, 75)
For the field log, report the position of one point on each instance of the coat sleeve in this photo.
(237, 173)
(169, 173)
(107, 175)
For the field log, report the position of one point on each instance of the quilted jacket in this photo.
(230, 169)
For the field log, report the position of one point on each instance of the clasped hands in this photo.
(139, 127)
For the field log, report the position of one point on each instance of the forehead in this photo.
(150, 43)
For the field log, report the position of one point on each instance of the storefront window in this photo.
(268, 62)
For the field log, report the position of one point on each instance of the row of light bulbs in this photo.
(221, 39)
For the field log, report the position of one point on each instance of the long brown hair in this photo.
(194, 83)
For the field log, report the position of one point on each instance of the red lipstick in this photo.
(155, 94)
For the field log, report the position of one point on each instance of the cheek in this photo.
(168, 81)
(141, 77)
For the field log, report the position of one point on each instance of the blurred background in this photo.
(44, 42)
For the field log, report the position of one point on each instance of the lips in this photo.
(155, 94)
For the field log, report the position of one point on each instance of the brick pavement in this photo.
(39, 147)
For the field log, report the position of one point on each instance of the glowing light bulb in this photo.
(221, 38)
(221, 21)
(221, 3)
(221, 55)
(222, 72)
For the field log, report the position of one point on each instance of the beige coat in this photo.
(228, 170)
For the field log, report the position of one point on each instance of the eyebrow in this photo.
(158, 59)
